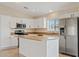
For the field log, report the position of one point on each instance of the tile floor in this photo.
(14, 53)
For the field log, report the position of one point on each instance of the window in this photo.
(53, 25)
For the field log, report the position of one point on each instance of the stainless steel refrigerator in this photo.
(69, 37)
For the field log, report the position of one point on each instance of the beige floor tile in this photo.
(14, 53)
(63, 55)
(9, 53)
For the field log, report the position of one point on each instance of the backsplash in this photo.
(37, 30)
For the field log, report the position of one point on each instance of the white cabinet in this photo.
(5, 32)
(13, 41)
(13, 22)
(29, 22)
(53, 48)
(32, 48)
(38, 23)
(44, 48)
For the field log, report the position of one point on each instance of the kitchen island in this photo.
(34, 45)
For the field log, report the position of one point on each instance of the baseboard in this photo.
(68, 54)
(21, 55)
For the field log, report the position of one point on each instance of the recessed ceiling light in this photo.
(50, 10)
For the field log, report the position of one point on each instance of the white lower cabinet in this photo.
(52, 48)
(32, 48)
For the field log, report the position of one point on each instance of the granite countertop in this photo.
(43, 33)
(38, 36)
(33, 37)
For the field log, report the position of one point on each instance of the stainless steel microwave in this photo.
(20, 25)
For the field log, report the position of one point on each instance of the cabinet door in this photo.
(39, 23)
(38, 48)
(13, 22)
(6, 41)
(52, 48)
(25, 47)
(13, 40)
(32, 48)
(5, 31)
(62, 44)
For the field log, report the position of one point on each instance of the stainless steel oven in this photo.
(19, 32)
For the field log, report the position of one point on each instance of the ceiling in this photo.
(35, 9)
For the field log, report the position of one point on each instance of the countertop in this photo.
(33, 37)
(38, 37)
(38, 34)
(41, 33)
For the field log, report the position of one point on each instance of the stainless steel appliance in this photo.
(19, 32)
(68, 42)
(22, 26)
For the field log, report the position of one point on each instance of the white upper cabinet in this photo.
(13, 22)
(39, 23)
(29, 22)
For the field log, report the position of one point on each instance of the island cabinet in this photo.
(52, 48)
(43, 48)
